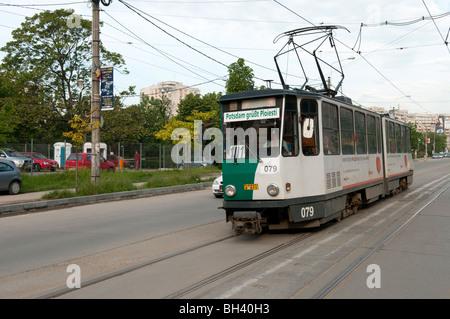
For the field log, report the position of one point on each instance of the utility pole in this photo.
(95, 99)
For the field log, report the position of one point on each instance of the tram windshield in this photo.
(252, 129)
(253, 139)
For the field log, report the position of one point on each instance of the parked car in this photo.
(84, 161)
(10, 179)
(435, 156)
(116, 160)
(41, 161)
(17, 159)
(194, 163)
(217, 187)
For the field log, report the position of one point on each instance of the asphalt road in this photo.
(102, 238)
(38, 239)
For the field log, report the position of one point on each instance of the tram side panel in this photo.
(398, 162)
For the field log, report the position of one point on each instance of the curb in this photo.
(43, 204)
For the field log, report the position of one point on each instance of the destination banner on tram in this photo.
(261, 114)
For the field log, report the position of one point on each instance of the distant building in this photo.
(175, 91)
(424, 122)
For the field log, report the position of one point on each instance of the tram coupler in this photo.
(246, 221)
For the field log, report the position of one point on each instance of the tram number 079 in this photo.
(270, 169)
(307, 212)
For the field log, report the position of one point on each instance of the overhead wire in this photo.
(142, 13)
(138, 12)
(439, 31)
(129, 43)
(156, 49)
(363, 57)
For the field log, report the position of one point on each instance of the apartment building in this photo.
(424, 122)
(175, 91)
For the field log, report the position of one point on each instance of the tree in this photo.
(136, 123)
(46, 58)
(200, 104)
(415, 136)
(80, 125)
(8, 121)
(240, 77)
(165, 134)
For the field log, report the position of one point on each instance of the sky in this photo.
(397, 59)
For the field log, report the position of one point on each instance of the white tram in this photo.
(297, 158)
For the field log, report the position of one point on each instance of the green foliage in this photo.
(194, 107)
(61, 185)
(44, 61)
(240, 77)
(136, 123)
(165, 134)
(438, 142)
(81, 125)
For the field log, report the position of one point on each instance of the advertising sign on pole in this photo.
(107, 88)
(440, 128)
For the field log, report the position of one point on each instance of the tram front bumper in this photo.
(246, 221)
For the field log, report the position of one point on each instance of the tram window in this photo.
(310, 133)
(371, 134)
(391, 138)
(290, 132)
(360, 128)
(346, 118)
(378, 134)
(408, 140)
(330, 129)
(398, 138)
(404, 144)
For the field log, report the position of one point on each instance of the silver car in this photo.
(12, 156)
(10, 179)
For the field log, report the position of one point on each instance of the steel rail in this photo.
(182, 292)
(120, 272)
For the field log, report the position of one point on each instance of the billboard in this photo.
(107, 88)
(440, 127)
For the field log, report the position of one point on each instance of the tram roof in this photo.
(254, 94)
(264, 93)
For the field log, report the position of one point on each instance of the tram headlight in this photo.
(230, 190)
(273, 189)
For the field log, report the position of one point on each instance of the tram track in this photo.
(111, 275)
(197, 285)
(291, 242)
(334, 284)
(239, 266)
(215, 283)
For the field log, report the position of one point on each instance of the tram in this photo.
(300, 157)
(295, 158)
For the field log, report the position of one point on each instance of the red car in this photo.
(40, 161)
(84, 160)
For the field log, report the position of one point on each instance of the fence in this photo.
(152, 156)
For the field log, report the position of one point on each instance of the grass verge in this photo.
(62, 185)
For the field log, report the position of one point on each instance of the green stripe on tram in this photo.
(238, 175)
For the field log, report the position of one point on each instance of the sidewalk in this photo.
(30, 201)
(21, 198)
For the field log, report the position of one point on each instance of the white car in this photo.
(217, 187)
